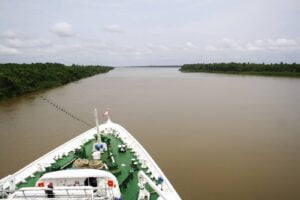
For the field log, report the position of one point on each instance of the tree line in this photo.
(277, 69)
(18, 79)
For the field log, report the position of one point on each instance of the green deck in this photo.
(123, 161)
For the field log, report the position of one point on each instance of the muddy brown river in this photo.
(216, 136)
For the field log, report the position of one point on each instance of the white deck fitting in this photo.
(49, 158)
(77, 173)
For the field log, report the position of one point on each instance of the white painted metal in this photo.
(144, 195)
(97, 125)
(78, 177)
(144, 178)
(96, 155)
(78, 173)
(74, 192)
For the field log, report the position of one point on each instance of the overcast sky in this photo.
(149, 32)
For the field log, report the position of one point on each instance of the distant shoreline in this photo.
(152, 66)
(280, 69)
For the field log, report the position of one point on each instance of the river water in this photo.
(215, 136)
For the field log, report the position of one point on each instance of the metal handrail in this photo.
(88, 192)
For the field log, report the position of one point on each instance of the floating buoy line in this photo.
(61, 109)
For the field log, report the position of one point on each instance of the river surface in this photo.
(216, 136)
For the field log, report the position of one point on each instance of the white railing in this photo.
(86, 192)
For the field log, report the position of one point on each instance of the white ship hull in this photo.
(9, 182)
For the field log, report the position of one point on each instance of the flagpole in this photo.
(106, 113)
(97, 125)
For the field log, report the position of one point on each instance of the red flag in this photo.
(106, 113)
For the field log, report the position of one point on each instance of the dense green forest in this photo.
(18, 79)
(281, 69)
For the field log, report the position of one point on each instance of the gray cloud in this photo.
(189, 45)
(8, 34)
(158, 47)
(11, 43)
(4, 50)
(27, 43)
(164, 47)
(280, 44)
(129, 51)
(119, 32)
(95, 48)
(62, 29)
(62, 49)
(114, 28)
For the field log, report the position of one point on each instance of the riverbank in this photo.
(281, 69)
(18, 79)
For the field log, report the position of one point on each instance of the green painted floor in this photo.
(123, 161)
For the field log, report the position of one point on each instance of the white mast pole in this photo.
(97, 125)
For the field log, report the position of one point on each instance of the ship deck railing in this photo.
(65, 192)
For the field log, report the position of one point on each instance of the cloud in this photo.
(4, 50)
(63, 48)
(158, 47)
(130, 51)
(224, 44)
(279, 44)
(27, 42)
(13, 40)
(282, 43)
(11, 43)
(96, 48)
(8, 34)
(252, 29)
(164, 47)
(189, 45)
(62, 29)
(114, 29)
